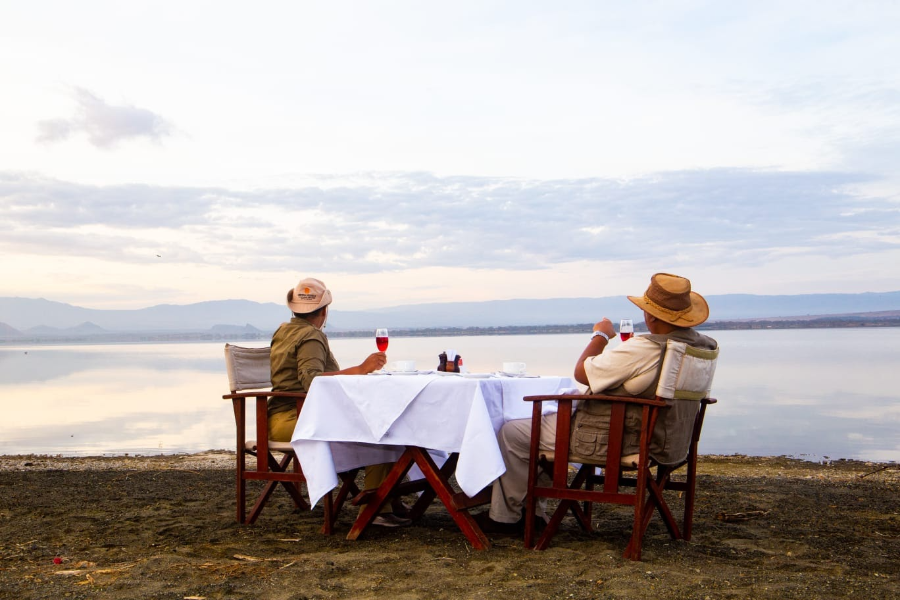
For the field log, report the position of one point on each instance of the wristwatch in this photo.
(598, 332)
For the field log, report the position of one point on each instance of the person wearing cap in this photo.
(671, 310)
(300, 353)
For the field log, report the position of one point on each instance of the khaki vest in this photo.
(671, 437)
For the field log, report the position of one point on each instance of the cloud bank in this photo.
(403, 221)
(104, 125)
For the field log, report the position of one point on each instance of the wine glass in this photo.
(626, 329)
(381, 339)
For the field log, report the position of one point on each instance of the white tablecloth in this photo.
(351, 421)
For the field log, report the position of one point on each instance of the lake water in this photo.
(815, 393)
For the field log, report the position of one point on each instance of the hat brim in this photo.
(299, 307)
(697, 314)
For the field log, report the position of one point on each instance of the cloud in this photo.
(104, 125)
(402, 221)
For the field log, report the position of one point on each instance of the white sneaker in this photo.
(390, 520)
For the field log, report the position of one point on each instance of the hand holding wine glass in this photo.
(381, 339)
(626, 329)
(376, 360)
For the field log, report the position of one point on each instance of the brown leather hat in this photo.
(670, 298)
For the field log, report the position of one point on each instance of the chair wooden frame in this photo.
(285, 471)
(647, 493)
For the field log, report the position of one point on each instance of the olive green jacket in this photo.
(300, 353)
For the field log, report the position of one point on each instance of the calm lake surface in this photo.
(816, 393)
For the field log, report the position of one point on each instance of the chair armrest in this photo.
(599, 397)
(709, 401)
(267, 393)
(300, 395)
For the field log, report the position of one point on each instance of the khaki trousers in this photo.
(509, 491)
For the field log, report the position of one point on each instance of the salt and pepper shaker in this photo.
(450, 361)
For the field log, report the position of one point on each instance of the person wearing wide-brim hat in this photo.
(671, 310)
(300, 353)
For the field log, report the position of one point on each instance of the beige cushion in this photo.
(630, 461)
(687, 372)
(273, 446)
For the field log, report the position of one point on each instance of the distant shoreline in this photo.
(824, 322)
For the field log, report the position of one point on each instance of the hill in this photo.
(42, 318)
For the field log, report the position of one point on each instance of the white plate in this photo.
(402, 372)
(477, 375)
(445, 373)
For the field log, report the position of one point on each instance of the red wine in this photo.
(625, 335)
(382, 343)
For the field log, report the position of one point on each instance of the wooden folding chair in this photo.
(686, 376)
(249, 377)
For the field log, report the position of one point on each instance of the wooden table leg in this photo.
(428, 494)
(377, 500)
(441, 485)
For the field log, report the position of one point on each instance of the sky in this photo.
(404, 152)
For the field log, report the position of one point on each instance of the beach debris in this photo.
(878, 470)
(195, 598)
(57, 560)
(741, 516)
(256, 558)
(85, 564)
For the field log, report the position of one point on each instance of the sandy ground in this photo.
(163, 527)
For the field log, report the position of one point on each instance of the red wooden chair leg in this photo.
(330, 515)
(689, 497)
(261, 502)
(553, 526)
(241, 491)
(534, 468)
(333, 507)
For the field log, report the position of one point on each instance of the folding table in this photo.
(352, 421)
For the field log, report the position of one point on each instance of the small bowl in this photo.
(404, 366)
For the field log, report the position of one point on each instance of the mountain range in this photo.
(37, 317)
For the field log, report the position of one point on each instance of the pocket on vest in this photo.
(590, 441)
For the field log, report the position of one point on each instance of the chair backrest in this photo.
(687, 372)
(248, 368)
(685, 378)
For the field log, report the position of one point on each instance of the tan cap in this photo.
(670, 298)
(309, 295)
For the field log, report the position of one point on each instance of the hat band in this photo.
(677, 313)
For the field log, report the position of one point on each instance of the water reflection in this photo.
(818, 393)
(114, 399)
(812, 393)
